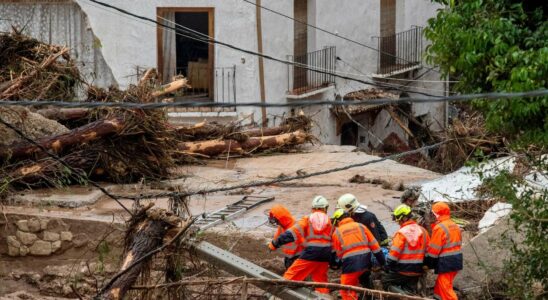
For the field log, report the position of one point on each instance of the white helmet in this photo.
(348, 202)
(319, 202)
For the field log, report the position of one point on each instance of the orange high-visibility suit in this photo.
(291, 250)
(353, 244)
(444, 252)
(406, 257)
(314, 259)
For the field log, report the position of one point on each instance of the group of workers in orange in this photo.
(353, 237)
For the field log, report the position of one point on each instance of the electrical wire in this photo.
(394, 84)
(269, 57)
(333, 34)
(284, 179)
(302, 103)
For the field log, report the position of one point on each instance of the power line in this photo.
(305, 103)
(284, 179)
(65, 164)
(333, 34)
(269, 57)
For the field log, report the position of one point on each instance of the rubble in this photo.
(116, 145)
(493, 215)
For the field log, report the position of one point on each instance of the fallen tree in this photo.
(85, 134)
(252, 144)
(144, 238)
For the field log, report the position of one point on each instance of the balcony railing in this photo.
(302, 80)
(399, 52)
(224, 83)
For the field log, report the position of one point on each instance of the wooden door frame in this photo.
(211, 32)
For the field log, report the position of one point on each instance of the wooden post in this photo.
(261, 62)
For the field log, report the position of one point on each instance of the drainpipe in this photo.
(261, 62)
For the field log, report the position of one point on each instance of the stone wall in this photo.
(42, 237)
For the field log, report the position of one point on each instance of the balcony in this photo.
(303, 82)
(399, 53)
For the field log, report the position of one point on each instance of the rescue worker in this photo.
(444, 252)
(353, 244)
(421, 211)
(410, 197)
(280, 216)
(314, 233)
(405, 260)
(359, 213)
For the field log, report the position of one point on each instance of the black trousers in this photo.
(365, 280)
(399, 281)
(288, 261)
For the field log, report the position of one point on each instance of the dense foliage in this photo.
(502, 46)
(496, 46)
(526, 270)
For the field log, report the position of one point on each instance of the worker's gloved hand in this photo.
(271, 246)
(385, 243)
(425, 268)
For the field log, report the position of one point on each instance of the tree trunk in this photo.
(80, 135)
(63, 114)
(48, 169)
(267, 131)
(147, 232)
(218, 147)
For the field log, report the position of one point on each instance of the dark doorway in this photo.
(192, 55)
(349, 134)
(388, 33)
(300, 42)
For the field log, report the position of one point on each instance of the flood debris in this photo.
(119, 145)
(30, 69)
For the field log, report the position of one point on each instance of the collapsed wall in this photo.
(61, 23)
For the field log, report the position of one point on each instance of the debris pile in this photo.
(466, 136)
(32, 70)
(119, 145)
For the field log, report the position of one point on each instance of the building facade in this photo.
(117, 47)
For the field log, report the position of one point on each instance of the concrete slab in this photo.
(70, 197)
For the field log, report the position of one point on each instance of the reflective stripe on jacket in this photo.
(286, 221)
(444, 251)
(408, 249)
(290, 249)
(353, 243)
(317, 245)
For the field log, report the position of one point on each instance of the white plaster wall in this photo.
(357, 20)
(64, 24)
(128, 42)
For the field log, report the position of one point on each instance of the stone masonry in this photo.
(39, 237)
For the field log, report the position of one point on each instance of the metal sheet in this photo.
(240, 267)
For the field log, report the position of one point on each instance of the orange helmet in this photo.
(279, 215)
(441, 209)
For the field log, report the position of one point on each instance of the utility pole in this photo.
(264, 122)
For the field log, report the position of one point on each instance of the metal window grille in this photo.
(224, 83)
(400, 51)
(301, 80)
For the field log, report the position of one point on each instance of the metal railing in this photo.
(399, 52)
(303, 80)
(224, 83)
